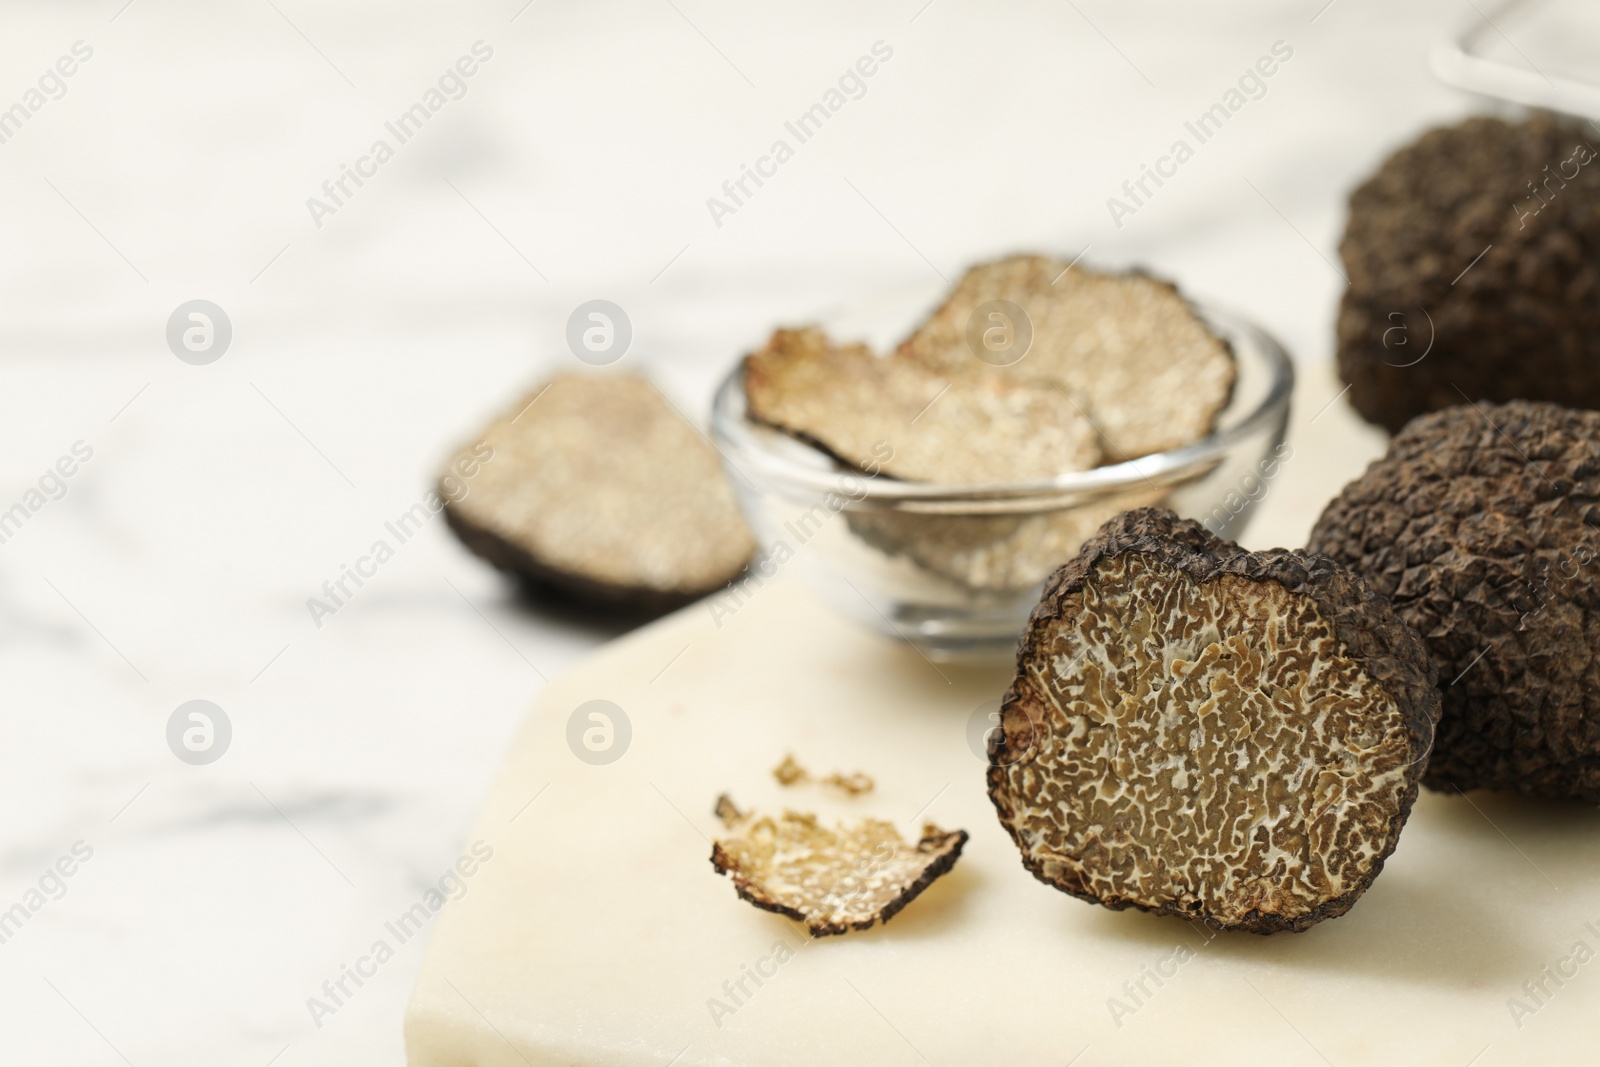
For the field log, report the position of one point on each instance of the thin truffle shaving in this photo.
(834, 880)
(1151, 374)
(912, 422)
(994, 553)
(790, 772)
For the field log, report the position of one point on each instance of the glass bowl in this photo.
(956, 570)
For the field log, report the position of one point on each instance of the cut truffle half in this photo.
(1152, 374)
(835, 880)
(911, 422)
(597, 487)
(1194, 729)
(1474, 263)
(1482, 526)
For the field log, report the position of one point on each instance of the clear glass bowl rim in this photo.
(729, 424)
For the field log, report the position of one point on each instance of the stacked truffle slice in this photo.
(1030, 369)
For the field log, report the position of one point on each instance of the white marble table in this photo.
(176, 162)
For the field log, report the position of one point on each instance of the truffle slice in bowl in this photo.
(912, 422)
(1195, 729)
(1152, 374)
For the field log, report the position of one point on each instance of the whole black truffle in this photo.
(1480, 525)
(1194, 729)
(1523, 321)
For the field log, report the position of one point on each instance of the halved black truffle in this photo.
(1482, 526)
(594, 486)
(1195, 729)
(1479, 245)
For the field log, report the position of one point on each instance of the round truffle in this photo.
(1480, 526)
(1234, 737)
(1474, 263)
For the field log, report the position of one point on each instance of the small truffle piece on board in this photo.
(791, 773)
(1197, 730)
(848, 878)
(1482, 526)
(1152, 374)
(1474, 263)
(599, 488)
(911, 422)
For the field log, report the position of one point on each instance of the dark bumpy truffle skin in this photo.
(1524, 321)
(1197, 730)
(1480, 526)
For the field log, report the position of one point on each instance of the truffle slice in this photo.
(596, 486)
(1474, 263)
(1151, 372)
(911, 422)
(834, 881)
(1480, 525)
(790, 773)
(1198, 730)
(992, 553)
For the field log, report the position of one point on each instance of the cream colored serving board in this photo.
(598, 933)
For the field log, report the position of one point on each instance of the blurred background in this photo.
(372, 334)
